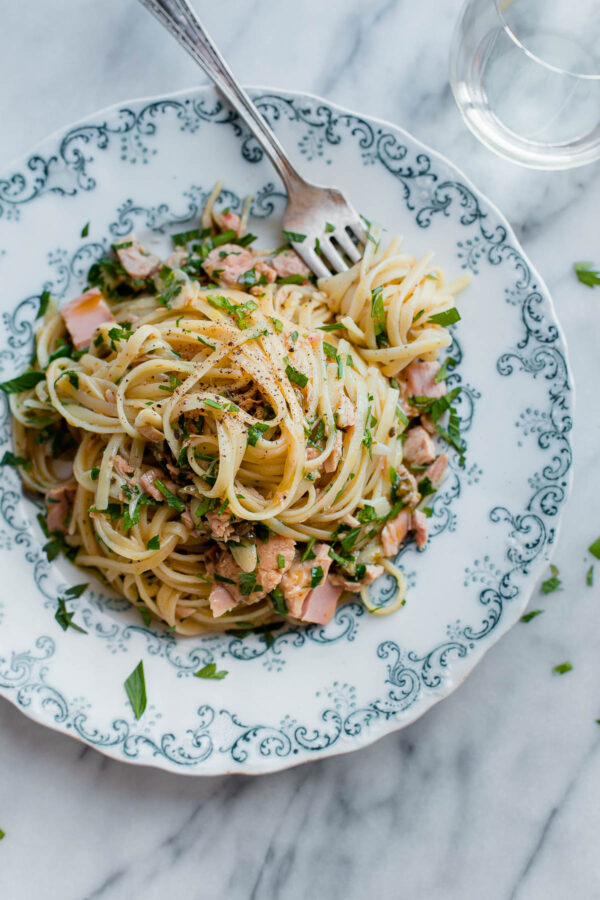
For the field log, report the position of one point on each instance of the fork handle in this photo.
(181, 20)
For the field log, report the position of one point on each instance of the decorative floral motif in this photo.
(342, 715)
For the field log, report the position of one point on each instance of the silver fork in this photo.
(329, 224)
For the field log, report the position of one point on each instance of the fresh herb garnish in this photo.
(44, 301)
(135, 688)
(94, 472)
(9, 459)
(240, 311)
(247, 583)
(329, 227)
(308, 553)
(23, 382)
(593, 548)
(447, 317)
(295, 376)
(443, 371)
(277, 325)
(316, 576)
(334, 326)
(562, 668)
(255, 431)
(551, 584)
(589, 578)
(85, 230)
(278, 600)
(172, 499)
(378, 316)
(184, 237)
(531, 615)
(153, 543)
(293, 236)
(210, 671)
(586, 275)
(171, 386)
(280, 561)
(291, 279)
(64, 617)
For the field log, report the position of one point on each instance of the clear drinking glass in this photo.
(526, 77)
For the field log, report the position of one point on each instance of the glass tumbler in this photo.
(526, 77)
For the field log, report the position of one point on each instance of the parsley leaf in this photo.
(447, 317)
(247, 583)
(64, 617)
(9, 459)
(562, 668)
(316, 576)
(210, 671)
(255, 431)
(293, 236)
(171, 499)
(589, 578)
(593, 548)
(85, 230)
(586, 275)
(278, 601)
(135, 688)
(551, 584)
(308, 553)
(23, 382)
(44, 301)
(531, 615)
(294, 376)
(378, 316)
(153, 543)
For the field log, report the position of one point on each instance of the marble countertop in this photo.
(496, 792)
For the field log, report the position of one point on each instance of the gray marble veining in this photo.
(496, 792)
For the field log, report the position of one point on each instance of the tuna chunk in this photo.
(227, 264)
(296, 581)
(221, 600)
(394, 532)
(59, 502)
(420, 379)
(354, 587)
(418, 449)
(346, 414)
(435, 472)
(228, 221)
(122, 466)
(84, 315)
(289, 263)
(268, 573)
(137, 262)
(419, 524)
(332, 461)
(147, 483)
(321, 603)
(221, 528)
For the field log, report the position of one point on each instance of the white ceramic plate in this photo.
(300, 694)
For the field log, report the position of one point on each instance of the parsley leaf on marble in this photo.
(593, 548)
(551, 584)
(586, 275)
(562, 668)
(531, 615)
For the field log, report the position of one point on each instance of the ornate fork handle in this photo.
(182, 22)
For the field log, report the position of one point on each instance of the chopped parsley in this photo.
(23, 382)
(251, 277)
(170, 387)
(255, 431)
(443, 371)
(9, 459)
(293, 236)
(378, 316)
(586, 275)
(172, 499)
(247, 583)
(277, 325)
(44, 301)
(135, 688)
(316, 576)
(334, 326)
(447, 317)
(153, 543)
(593, 548)
(210, 671)
(295, 376)
(239, 311)
(329, 227)
(213, 403)
(85, 230)
(531, 615)
(309, 553)
(551, 584)
(278, 600)
(292, 279)
(280, 561)
(562, 668)
(94, 472)
(184, 237)
(589, 578)
(64, 617)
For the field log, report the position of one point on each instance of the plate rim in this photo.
(417, 710)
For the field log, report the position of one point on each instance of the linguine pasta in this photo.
(230, 447)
